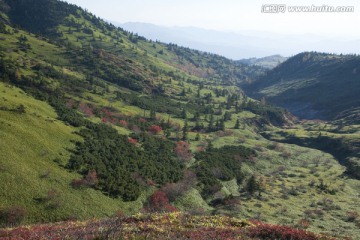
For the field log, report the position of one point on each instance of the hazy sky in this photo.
(230, 15)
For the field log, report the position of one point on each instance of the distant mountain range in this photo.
(245, 44)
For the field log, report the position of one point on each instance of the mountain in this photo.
(242, 44)
(312, 85)
(268, 62)
(97, 122)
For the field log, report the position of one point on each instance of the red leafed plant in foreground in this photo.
(267, 231)
(159, 202)
(174, 225)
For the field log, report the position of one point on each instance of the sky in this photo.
(231, 15)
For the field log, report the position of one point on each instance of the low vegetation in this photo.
(95, 120)
(162, 226)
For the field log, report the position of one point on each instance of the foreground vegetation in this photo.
(161, 226)
(95, 120)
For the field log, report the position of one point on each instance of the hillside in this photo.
(95, 121)
(265, 62)
(311, 85)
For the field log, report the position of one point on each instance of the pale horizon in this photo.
(230, 15)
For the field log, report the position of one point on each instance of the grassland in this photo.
(300, 186)
(35, 146)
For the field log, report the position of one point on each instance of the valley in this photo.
(97, 122)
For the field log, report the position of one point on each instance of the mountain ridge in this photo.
(311, 84)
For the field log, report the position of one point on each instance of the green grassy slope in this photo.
(89, 64)
(34, 145)
(312, 85)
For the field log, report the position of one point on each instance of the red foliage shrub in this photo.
(159, 202)
(104, 120)
(170, 208)
(155, 129)
(182, 150)
(123, 123)
(84, 108)
(132, 140)
(106, 112)
(267, 231)
(113, 121)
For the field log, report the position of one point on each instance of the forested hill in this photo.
(69, 24)
(312, 85)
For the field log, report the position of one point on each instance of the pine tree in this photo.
(222, 125)
(183, 93)
(152, 114)
(185, 131)
(183, 114)
(197, 125)
(217, 124)
(252, 185)
(237, 124)
(167, 133)
(228, 102)
(211, 123)
(210, 146)
(197, 138)
(227, 116)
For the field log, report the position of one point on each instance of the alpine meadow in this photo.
(105, 134)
